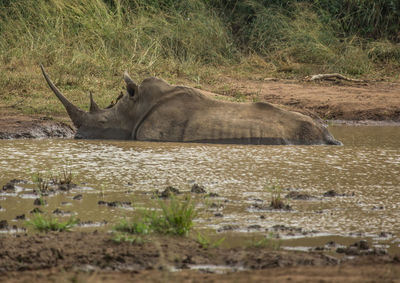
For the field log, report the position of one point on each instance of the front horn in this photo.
(77, 115)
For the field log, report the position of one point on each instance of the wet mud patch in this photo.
(25, 127)
(78, 250)
(44, 257)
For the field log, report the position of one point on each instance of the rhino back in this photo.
(195, 118)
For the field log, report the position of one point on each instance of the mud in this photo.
(338, 100)
(16, 126)
(64, 255)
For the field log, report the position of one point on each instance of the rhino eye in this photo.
(131, 89)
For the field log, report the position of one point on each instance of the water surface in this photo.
(366, 170)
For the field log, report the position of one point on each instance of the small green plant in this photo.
(42, 185)
(276, 199)
(206, 243)
(173, 217)
(176, 217)
(265, 242)
(139, 227)
(42, 201)
(48, 223)
(125, 237)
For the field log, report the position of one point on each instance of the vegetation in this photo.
(42, 185)
(265, 242)
(124, 237)
(48, 223)
(277, 201)
(63, 177)
(86, 45)
(206, 242)
(173, 217)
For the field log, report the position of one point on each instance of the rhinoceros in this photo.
(158, 111)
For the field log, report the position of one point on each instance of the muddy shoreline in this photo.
(44, 257)
(18, 126)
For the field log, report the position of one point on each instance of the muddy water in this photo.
(366, 171)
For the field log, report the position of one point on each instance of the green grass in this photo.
(48, 223)
(124, 237)
(265, 242)
(206, 243)
(172, 216)
(86, 45)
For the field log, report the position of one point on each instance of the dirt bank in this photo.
(334, 100)
(17, 126)
(62, 256)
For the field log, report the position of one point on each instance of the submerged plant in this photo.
(276, 200)
(48, 223)
(63, 177)
(42, 184)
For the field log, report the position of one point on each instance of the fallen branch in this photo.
(330, 76)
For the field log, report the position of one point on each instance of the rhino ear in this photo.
(131, 87)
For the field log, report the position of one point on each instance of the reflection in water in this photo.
(367, 166)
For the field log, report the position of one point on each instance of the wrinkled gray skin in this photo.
(157, 111)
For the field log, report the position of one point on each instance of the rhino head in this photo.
(114, 122)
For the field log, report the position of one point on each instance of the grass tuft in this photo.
(42, 185)
(207, 243)
(172, 217)
(277, 202)
(43, 223)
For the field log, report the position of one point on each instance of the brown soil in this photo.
(337, 100)
(14, 126)
(94, 257)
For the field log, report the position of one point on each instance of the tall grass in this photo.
(86, 45)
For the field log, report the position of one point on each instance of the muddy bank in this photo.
(332, 100)
(64, 255)
(97, 250)
(357, 272)
(16, 126)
